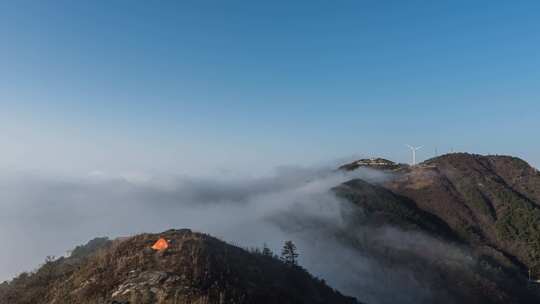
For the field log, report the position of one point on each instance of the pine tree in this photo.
(289, 254)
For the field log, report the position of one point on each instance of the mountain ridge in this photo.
(196, 268)
(489, 203)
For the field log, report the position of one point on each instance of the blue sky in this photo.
(212, 86)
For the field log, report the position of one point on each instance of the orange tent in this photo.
(161, 245)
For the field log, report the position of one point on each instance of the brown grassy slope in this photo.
(489, 201)
(518, 174)
(196, 268)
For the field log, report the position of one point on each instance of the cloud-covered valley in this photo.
(42, 216)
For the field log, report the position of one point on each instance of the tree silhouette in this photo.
(266, 251)
(289, 254)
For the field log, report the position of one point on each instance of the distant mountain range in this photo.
(467, 226)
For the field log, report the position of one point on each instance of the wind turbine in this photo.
(413, 150)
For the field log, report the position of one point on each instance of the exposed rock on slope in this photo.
(196, 268)
(373, 163)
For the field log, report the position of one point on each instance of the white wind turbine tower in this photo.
(413, 150)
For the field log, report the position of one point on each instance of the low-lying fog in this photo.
(42, 216)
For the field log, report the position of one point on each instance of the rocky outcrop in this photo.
(373, 163)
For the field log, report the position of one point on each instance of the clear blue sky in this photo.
(210, 85)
